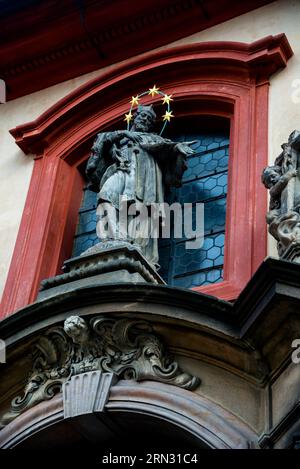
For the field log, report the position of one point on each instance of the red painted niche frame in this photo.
(226, 79)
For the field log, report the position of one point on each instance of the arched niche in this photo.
(173, 414)
(226, 79)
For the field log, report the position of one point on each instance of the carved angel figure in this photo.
(282, 180)
(276, 182)
(136, 165)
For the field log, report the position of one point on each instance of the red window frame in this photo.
(227, 79)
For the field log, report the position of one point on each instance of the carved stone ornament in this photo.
(126, 347)
(283, 181)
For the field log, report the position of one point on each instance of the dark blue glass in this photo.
(205, 180)
(206, 163)
(200, 278)
(208, 256)
(85, 236)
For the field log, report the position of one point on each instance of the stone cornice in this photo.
(257, 60)
(267, 311)
(54, 43)
(274, 279)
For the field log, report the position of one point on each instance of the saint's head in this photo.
(144, 119)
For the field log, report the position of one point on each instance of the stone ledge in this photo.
(108, 265)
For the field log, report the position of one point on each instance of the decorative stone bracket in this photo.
(125, 348)
(283, 181)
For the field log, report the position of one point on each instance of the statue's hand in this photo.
(124, 166)
(184, 147)
(293, 172)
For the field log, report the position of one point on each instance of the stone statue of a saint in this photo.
(137, 166)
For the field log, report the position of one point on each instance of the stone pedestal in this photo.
(104, 263)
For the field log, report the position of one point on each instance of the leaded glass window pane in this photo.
(204, 181)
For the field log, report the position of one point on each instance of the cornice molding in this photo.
(56, 42)
(275, 278)
(255, 322)
(106, 35)
(259, 60)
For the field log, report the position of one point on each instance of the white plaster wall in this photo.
(15, 168)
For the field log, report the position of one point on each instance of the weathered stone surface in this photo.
(103, 264)
(146, 411)
(239, 350)
(135, 166)
(124, 347)
(87, 393)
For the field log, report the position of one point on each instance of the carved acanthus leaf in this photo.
(126, 347)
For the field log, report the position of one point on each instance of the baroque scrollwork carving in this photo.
(126, 347)
(283, 181)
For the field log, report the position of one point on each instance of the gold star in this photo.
(128, 117)
(153, 91)
(167, 116)
(167, 98)
(135, 100)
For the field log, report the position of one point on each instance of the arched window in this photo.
(224, 79)
(204, 181)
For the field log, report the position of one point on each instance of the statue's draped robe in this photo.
(143, 180)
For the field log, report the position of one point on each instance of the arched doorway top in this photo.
(205, 421)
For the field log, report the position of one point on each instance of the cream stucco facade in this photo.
(284, 105)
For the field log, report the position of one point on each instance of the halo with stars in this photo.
(166, 99)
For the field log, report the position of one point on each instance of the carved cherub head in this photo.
(271, 175)
(76, 328)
